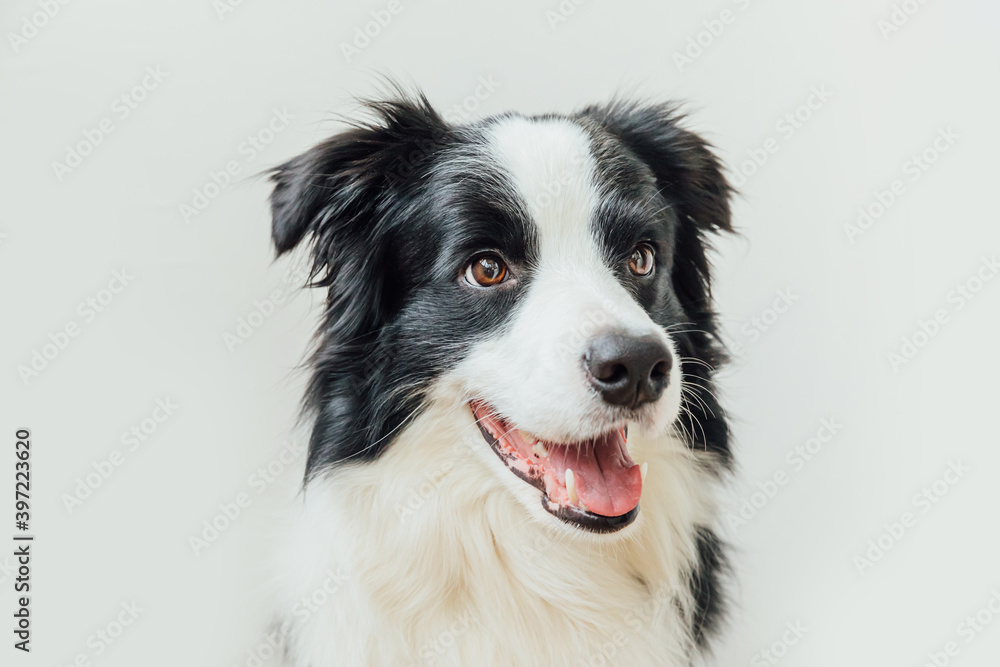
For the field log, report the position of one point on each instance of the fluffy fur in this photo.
(413, 543)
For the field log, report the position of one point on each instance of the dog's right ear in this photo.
(334, 191)
(342, 196)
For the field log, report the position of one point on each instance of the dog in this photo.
(515, 440)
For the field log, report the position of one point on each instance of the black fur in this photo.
(706, 586)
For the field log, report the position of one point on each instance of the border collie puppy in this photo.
(515, 439)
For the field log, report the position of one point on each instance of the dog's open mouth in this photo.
(593, 485)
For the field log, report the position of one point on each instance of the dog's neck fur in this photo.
(425, 557)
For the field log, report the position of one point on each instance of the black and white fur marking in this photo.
(438, 554)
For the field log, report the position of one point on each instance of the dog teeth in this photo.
(571, 487)
(643, 469)
(540, 450)
(584, 507)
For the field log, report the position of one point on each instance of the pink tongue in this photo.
(607, 481)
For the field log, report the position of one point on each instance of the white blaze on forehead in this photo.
(551, 167)
(532, 371)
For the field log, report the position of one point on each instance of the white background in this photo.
(62, 235)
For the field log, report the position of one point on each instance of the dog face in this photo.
(552, 268)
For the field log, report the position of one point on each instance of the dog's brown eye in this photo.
(486, 271)
(643, 260)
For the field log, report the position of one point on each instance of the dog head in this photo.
(553, 268)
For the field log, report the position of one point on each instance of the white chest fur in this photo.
(427, 556)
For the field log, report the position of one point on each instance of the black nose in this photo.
(628, 370)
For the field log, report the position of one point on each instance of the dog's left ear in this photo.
(690, 176)
(682, 162)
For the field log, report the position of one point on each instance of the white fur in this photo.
(438, 554)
